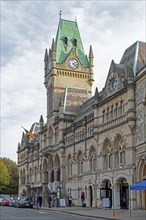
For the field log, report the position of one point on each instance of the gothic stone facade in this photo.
(92, 144)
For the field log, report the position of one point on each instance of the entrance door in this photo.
(108, 193)
(144, 199)
(90, 195)
(124, 196)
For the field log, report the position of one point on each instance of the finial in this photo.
(60, 13)
(75, 19)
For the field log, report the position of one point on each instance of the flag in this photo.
(29, 133)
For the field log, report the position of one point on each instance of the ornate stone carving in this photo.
(140, 124)
(140, 93)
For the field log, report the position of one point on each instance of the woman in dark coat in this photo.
(40, 199)
(82, 199)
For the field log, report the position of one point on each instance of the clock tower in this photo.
(67, 68)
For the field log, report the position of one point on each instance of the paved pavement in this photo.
(102, 213)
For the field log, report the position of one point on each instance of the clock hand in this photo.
(75, 64)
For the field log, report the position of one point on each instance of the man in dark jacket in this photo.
(49, 201)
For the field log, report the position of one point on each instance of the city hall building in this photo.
(94, 144)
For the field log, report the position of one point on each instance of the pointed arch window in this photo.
(52, 176)
(80, 164)
(121, 108)
(93, 164)
(75, 42)
(107, 156)
(109, 160)
(65, 41)
(120, 156)
(81, 167)
(50, 136)
(69, 166)
(92, 161)
(107, 115)
(103, 116)
(112, 112)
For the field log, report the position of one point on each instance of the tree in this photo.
(12, 186)
(4, 176)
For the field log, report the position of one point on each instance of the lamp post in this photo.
(113, 194)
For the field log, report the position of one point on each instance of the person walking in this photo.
(70, 200)
(82, 199)
(58, 199)
(40, 200)
(49, 201)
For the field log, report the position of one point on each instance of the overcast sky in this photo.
(27, 28)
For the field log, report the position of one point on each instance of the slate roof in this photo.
(69, 29)
(135, 55)
(73, 99)
(85, 109)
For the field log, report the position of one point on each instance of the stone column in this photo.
(44, 194)
(116, 197)
(50, 176)
(98, 199)
(56, 175)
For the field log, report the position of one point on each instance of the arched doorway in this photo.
(106, 191)
(124, 194)
(90, 196)
(141, 194)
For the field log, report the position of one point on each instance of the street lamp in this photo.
(113, 202)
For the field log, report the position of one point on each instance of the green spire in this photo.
(67, 36)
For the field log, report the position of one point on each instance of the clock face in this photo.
(73, 63)
(50, 65)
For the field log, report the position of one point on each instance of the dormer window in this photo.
(75, 43)
(65, 41)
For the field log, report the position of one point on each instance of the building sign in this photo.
(62, 202)
(105, 203)
(102, 193)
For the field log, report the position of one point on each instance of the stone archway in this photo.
(106, 191)
(141, 194)
(144, 191)
(122, 193)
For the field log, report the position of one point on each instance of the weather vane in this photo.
(60, 13)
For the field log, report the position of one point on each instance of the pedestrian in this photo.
(49, 201)
(40, 198)
(58, 199)
(70, 200)
(37, 201)
(83, 199)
